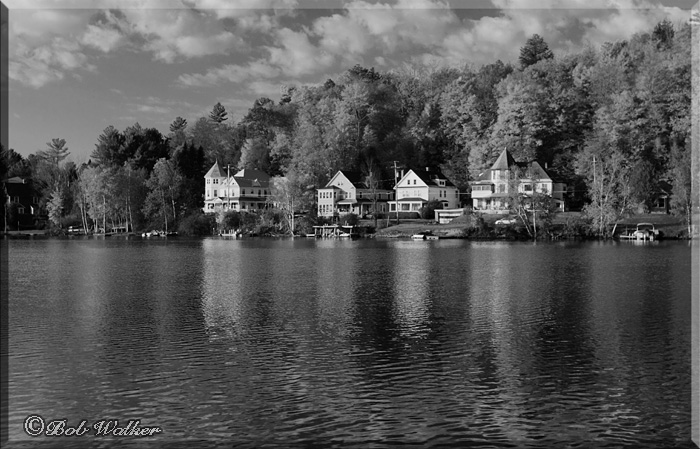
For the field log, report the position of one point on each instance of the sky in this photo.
(79, 66)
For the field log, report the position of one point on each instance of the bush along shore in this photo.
(569, 225)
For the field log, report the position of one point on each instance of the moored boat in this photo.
(425, 235)
(644, 231)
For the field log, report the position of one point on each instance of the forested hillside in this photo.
(612, 122)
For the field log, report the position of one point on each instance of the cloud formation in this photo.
(281, 42)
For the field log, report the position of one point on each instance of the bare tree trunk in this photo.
(83, 213)
(165, 214)
(172, 199)
(128, 202)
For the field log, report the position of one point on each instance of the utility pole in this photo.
(396, 190)
(228, 185)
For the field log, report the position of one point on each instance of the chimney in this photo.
(427, 168)
(545, 166)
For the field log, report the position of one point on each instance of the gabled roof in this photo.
(357, 179)
(430, 178)
(216, 171)
(247, 182)
(251, 174)
(537, 172)
(504, 161)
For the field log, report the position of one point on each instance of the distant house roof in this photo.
(249, 173)
(506, 162)
(358, 180)
(412, 198)
(355, 177)
(431, 177)
(216, 171)
(246, 182)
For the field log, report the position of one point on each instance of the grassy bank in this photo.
(565, 224)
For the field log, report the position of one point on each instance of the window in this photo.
(216, 181)
(208, 181)
(15, 199)
(501, 188)
(527, 187)
(214, 192)
(405, 207)
(259, 192)
(242, 192)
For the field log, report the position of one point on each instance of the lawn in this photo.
(670, 225)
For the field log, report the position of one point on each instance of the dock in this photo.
(337, 231)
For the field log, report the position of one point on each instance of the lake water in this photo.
(364, 343)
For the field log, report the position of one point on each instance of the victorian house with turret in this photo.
(493, 188)
(244, 190)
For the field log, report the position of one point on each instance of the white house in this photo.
(417, 187)
(348, 192)
(493, 187)
(245, 190)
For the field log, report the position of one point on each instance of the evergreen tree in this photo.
(55, 153)
(179, 124)
(218, 114)
(534, 50)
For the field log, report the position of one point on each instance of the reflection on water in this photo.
(296, 342)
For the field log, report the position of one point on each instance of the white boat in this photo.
(425, 235)
(644, 231)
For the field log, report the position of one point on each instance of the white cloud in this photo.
(38, 26)
(297, 55)
(267, 89)
(38, 66)
(47, 43)
(105, 39)
(341, 35)
(406, 24)
(153, 109)
(192, 46)
(598, 21)
(229, 73)
(243, 8)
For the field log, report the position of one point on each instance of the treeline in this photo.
(612, 122)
